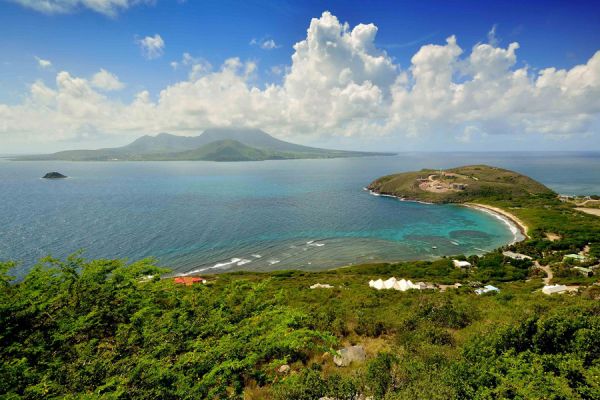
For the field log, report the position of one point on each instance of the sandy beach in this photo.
(512, 218)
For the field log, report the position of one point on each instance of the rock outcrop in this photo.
(54, 175)
(348, 355)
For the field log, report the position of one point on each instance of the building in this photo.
(461, 264)
(516, 256)
(585, 271)
(188, 280)
(459, 186)
(552, 289)
(487, 289)
(576, 257)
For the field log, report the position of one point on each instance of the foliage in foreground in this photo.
(103, 329)
(99, 327)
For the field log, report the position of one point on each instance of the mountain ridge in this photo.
(248, 144)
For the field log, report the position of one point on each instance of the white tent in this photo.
(404, 285)
(550, 289)
(390, 283)
(378, 284)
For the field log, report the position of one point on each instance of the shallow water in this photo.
(309, 214)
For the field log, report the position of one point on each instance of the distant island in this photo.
(54, 175)
(218, 144)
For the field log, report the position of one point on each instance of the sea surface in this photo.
(199, 217)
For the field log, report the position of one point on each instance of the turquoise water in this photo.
(199, 216)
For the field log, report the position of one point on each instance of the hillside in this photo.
(459, 185)
(258, 145)
(223, 150)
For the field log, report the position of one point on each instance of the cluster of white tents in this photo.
(402, 284)
(321, 286)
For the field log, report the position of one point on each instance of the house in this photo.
(487, 289)
(459, 186)
(188, 280)
(516, 256)
(576, 257)
(551, 289)
(585, 271)
(461, 264)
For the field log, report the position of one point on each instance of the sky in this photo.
(363, 75)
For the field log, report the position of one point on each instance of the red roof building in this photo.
(188, 280)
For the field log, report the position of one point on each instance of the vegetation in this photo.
(480, 182)
(105, 329)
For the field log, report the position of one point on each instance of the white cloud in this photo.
(338, 84)
(152, 46)
(107, 7)
(265, 44)
(106, 81)
(43, 63)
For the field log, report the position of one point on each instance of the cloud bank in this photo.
(338, 84)
(107, 7)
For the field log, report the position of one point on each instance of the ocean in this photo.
(201, 217)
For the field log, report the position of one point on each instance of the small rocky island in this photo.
(54, 175)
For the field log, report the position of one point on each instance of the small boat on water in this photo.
(434, 247)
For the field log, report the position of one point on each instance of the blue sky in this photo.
(558, 34)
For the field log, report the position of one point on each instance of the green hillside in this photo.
(223, 150)
(459, 185)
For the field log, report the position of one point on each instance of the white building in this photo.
(461, 264)
(551, 289)
(516, 256)
(487, 289)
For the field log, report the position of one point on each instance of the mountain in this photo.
(218, 144)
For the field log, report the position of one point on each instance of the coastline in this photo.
(503, 214)
(510, 219)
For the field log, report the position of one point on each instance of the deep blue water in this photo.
(198, 215)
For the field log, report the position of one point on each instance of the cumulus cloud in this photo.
(106, 81)
(152, 46)
(339, 83)
(43, 63)
(107, 7)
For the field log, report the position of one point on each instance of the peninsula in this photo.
(476, 186)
